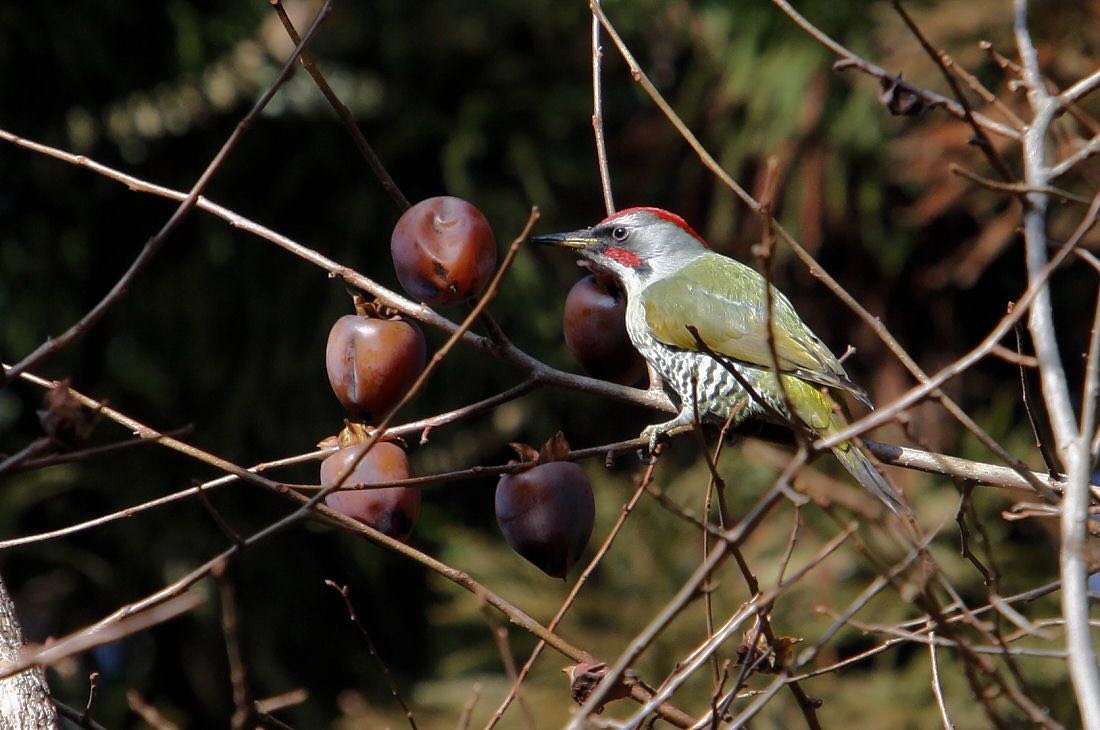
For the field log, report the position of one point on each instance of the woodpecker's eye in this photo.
(620, 233)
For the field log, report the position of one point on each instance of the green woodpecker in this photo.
(673, 282)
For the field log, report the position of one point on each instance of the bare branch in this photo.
(937, 688)
(597, 116)
(354, 618)
(321, 511)
(688, 590)
(1090, 148)
(1081, 89)
(98, 634)
(852, 60)
(944, 62)
(1036, 285)
(605, 546)
(344, 113)
(153, 245)
(873, 322)
(1071, 445)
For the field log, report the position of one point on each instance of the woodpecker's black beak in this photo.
(576, 240)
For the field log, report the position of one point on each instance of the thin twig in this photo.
(152, 246)
(93, 686)
(964, 535)
(504, 649)
(975, 85)
(426, 425)
(128, 512)
(755, 605)
(95, 451)
(380, 429)
(468, 708)
(75, 715)
(852, 60)
(597, 116)
(390, 682)
(1024, 302)
(880, 583)
(765, 253)
(1090, 390)
(687, 592)
(1016, 188)
(463, 580)
(1079, 90)
(805, 704)
(243, 709)
(98, 634)
(16, 461)
(1049, 458)
(148, 712)
(545, 375)
(943, 61)
(1087, 150)
(282, 701)
(533, 367)
(221, 522)
(344, 113)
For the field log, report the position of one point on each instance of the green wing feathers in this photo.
(726, 302)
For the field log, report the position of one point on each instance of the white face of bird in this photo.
(637, 245)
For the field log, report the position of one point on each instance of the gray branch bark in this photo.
(24, 698)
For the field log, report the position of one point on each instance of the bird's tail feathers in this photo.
(823, 415)
(860, 467)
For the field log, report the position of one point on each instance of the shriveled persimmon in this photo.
(443, 250)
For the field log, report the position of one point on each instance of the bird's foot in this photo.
(652, 434)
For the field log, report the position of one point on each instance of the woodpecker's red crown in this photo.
(660, 213)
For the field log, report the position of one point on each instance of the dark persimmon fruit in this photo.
(392, 510)
(443, 250)
(594, 324)
(372, 362)
(546, 514)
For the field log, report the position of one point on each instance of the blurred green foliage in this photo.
(491, 101)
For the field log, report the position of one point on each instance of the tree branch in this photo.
(1070, 444)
